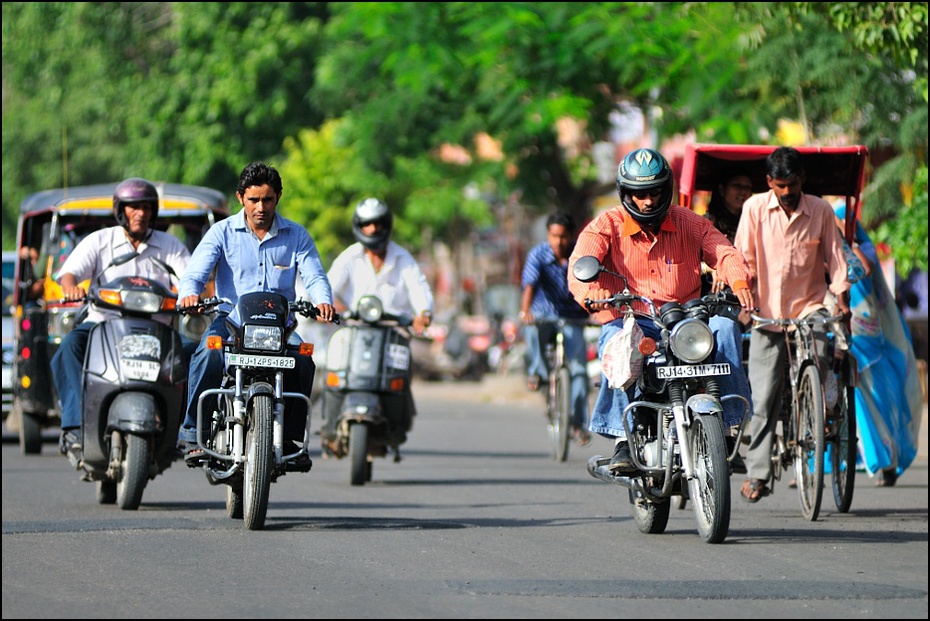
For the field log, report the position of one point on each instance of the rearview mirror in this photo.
(587, 269)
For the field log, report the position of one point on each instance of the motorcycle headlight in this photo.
(265, 338)
(692, 341)
(370, 309)
(142, 301)
(60, 322)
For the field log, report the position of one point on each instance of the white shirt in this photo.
(400, 285)
(91, 257)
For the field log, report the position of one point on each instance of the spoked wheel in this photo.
(650, 517)
(710, 487)
(256, 476)
(560, 414)
(360, 470)
(134, 469)
(808, 456)
(843, 448)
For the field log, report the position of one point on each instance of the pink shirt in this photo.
(790, 258)
(665, 269)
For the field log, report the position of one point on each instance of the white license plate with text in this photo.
(272, 362)
(693, 370)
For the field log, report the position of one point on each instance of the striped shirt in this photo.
(790, 258)
(665, 269)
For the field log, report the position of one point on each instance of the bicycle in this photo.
(808, 425)
(559, 391)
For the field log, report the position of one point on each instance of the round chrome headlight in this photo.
(370, 309)
(692, 341)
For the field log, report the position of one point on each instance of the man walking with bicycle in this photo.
(546, 299)
(792, 245)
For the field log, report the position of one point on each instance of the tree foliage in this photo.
(353, 99)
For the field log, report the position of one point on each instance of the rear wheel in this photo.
(234, 499)
(360, 469)
(808, 456)
(106, 492)
(843, 449)
(30, 434)
(256, 476)
(134, 469)
(650, 517)
(709, 489)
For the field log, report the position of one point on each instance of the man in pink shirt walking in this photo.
(792, 245)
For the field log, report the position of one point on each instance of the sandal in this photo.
(754, 489)
(581, 436)
(532, 382)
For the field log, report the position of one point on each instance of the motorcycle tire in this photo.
(650, 517)
(360, 471)
(134, 469)
(106, 492)
(259, 442)
(234, 499)
(709, 489)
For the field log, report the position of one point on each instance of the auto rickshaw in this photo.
(51, 224)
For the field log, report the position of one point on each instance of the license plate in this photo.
(144, 370)
(273, 362)
(693, 370)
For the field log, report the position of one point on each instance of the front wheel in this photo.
(358, 454)
(709, 488)
(134, 469)
(808, 456)
(256, 477)
(843, 448)
(560, 413)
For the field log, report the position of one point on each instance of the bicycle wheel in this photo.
(808, 455)
(843, 448)
(560, 413)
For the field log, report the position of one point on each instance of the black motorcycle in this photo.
(242, 438)
(366, 391)
(135, 387)
(675, 427)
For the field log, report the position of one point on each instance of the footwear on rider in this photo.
(622, 462)
(187, 439)
(70, 444)
(71, 440)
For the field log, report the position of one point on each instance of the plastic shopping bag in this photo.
(621, 359)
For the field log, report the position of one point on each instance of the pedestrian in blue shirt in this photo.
(546, 299)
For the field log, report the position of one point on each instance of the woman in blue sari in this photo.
(888, 397)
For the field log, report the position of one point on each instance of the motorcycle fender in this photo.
(260, 388)
(361, 406)
(704, 404)
(137, 412)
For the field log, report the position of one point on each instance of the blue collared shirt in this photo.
(549, 279)
(244, 263)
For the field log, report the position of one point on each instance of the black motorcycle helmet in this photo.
(372, 210)
(130, 191)
(640, 171)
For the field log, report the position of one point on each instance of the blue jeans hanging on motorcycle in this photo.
(606, 419)
(576, 354)
(206, 371)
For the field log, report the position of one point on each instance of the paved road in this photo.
(475, 522)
